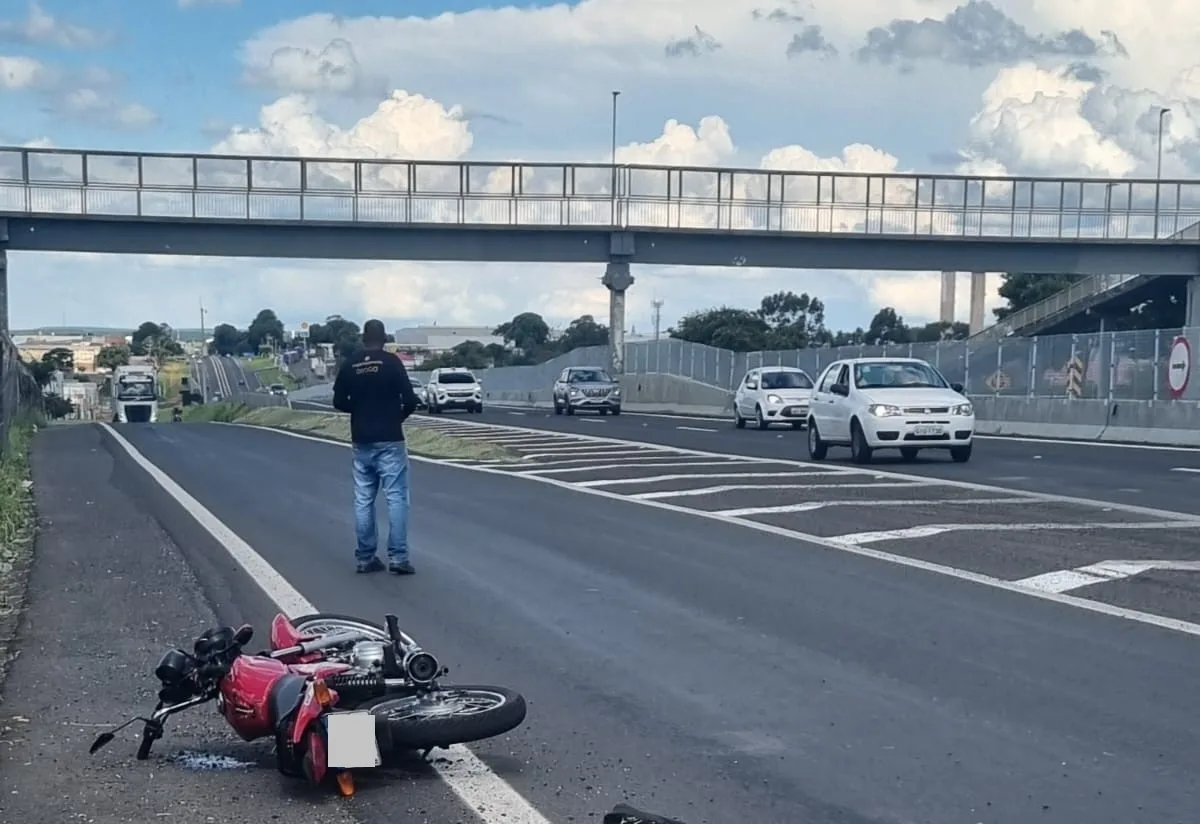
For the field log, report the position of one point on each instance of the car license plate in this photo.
(928, 429)
(794, 411)
(352, 743)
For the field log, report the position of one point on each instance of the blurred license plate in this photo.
(928, 430)
(794, 411)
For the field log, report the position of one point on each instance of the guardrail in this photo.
(36, 182)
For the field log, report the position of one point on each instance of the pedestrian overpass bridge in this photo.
(381, 209)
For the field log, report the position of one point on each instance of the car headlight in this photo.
(573, 391)
(883, 410)
(964, 409)
(774, 399)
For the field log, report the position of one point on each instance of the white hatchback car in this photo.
(773, 394)
(889, 403)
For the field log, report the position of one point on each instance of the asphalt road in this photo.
(1118, 473)
(718, 673)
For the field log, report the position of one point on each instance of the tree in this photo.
(527, 331)
(470, 354)
(41, 372)
(110, 357)
(1022, 289)
(887, 327)
(156, 340)
(56, 406)
(266, 330)
(142, 334)
(940, 331)
(581, 332)
(342, 333)
(227, 339)
(62, 360)
(797, 321)
(724, 328)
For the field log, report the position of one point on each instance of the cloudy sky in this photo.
(1000, 86)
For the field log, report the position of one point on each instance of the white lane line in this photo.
(810, 506)
(1063, 599)
(664, 494)
(522, 414)
(593, 467)
(696, 429)
(929, 530)
(1048, 497)
(1185, 469)
(1064, 580)
(591, 420)
(487, 795)
(654, 479)
(581, 453)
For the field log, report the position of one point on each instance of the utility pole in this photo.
(613, 156)
(1162, 113)
(658, 305)
(203, 356)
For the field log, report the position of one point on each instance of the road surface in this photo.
(704, 668)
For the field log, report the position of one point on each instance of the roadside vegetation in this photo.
(18, 522)
(423, 441)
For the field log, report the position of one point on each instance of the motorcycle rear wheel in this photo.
(449, 715)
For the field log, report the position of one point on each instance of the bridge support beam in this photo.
(978, 296)
(617, 280)
(949, 282)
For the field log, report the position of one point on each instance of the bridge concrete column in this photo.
(978, 296)
(4, 329)
(949, 282)
(617, 280)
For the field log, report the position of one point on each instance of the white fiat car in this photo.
(773, 394)
(889, 403)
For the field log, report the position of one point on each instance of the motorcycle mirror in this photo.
(244, 634)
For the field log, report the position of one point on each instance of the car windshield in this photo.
(456, 377)
(786, 380)
(588, 376)
(897, 375)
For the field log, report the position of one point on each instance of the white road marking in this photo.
(1064, 580)
(485, 793)
(654, 479)
(810, 506)
(1185, 469)
(593, 467)
(592, 420)
(929, 530)
(580, 453)
(663, 494)
(1063, 599)
(696, 429)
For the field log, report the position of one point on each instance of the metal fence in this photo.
(1104, 365)
(19, 392)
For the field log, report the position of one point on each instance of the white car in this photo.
(773, 394)
(454, 388)
(889, 403)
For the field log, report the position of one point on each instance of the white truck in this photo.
(135, 392)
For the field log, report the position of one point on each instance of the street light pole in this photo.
(203, 356)
(1162, 113)
(613, 156)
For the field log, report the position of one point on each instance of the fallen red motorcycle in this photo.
(336, 693)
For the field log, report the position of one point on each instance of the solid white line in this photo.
(929, 530)
(485, 793)
(1067, 579)
(695, 429)
(1185, 469)
(810, 506)
(558, 470)
(577, 453)
(654, 479)
(1063, 599)
(716, 490)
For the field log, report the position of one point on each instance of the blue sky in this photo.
(1008, 86)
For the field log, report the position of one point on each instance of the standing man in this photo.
(374, 388)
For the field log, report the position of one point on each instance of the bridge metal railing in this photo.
(1108, 365)
(1078, 292)
(36, 182)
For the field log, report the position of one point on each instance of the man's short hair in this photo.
(373, 333)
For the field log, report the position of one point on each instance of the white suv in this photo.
(889, 403)
(773, 394)
(455, 388)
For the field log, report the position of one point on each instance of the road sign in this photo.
(304, 326)
(1179, 366)
(998, 381)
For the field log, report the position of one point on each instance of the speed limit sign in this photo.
(1179, 366)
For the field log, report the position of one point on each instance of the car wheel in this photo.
(797, 424)
(570, 410)
(557, 408)
(759, 420)
(909, 453)
(817, 448)
(603, 411)
(738, 420)
(616, 410)
(860, 452)
(961, 454)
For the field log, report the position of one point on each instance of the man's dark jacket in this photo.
(374, 387)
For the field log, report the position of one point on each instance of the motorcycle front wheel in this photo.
(320, 624)
(448, 715)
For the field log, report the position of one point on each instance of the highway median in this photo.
(422, 441)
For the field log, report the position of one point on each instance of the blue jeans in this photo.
(381, 466)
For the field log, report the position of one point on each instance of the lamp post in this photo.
(1162, 113)
(613, 156)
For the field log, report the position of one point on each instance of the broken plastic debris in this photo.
(204, 761)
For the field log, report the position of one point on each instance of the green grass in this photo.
(421, 440)
(170, 379)
(17, 526)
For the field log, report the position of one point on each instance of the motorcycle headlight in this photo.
(964, 409)
(774, 399)
(883, 410)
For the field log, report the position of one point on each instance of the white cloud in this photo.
(333, 69)
(42, 28)
(102, 109)
(24, 73)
